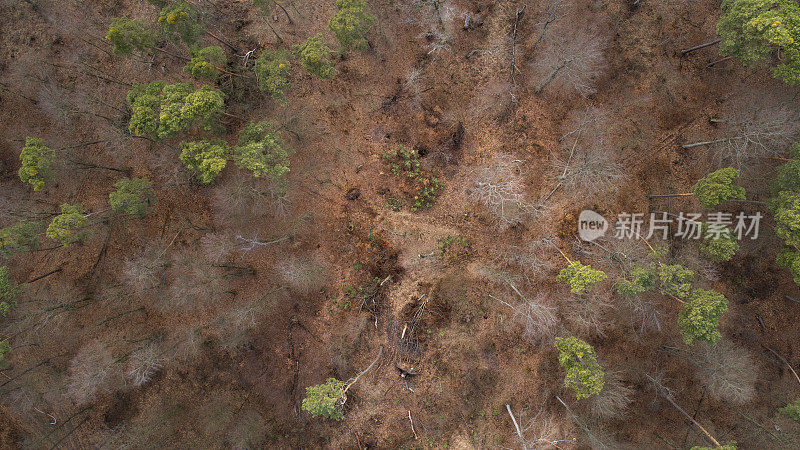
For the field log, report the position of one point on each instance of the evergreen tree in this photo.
(325, 399)
(787, 177)
(719, 243)
(700, 316)
(350, 22)
(162, 110)
(718, 187)
(180, 20)
(584, 373)
(315, 57)
(792, 410)
(272, 71)
(753, 30)
(580, 277)
(262, 151)
(786, 210)
(133, 196)
(5, 347)
(20, 237)
(205, 158)
(790, 259)
(9, 291)
(37, 160)
(642, 279)
(66, 227)
(206, 62)
(126, 35)
(675, 280)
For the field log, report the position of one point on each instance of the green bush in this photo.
(753, 30)
(325, 399)
(786, 210)
(700, 316)
(642, 279)
(792, 410)
(675, 280)
(315, 57)
(66, 227)
(205, 158)
(133, 196)
(37, 160)
(350, 22)
(272, 71)
(206, 62)
(126, 35)
(580, 277)
(719, 246)
(790, 259)
(584, 373)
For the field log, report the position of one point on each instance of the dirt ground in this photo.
(354, 272)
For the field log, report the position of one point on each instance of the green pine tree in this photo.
(67, 226)
(9, 291)
(20, 237)
(133, 196)
(718, 187)
(351, 22)
(262, 151)
(205, 158)
(584, 373)
(753, 30)
(325, 399)
(315, 57)
(700, 316)
(179, 20)
(580, 277)
(719, 245)
(206, 62)
(126, 35)
(792, 410)
(37, 160)
(272, 71)
(675, 280)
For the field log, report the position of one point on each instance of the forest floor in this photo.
(354, 271)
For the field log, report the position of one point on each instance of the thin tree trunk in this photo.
(516, 426)
(698, 47)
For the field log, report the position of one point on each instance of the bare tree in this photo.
(303, 275)
(217, 246)
(551, 12)
(541, 432)
(728, 371)
(538, 315)
(588, 315)
(570, 62)
(144, 363)
(93, 370)
(500, 187)
(760, 124)
(613, 400)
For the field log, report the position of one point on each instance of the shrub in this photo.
(5, 348)
(350, 22)
(718, 187)
(792, 410)
(752, 30)
(206, 62)
(584, 373)
(134, 196)
(426, 188)
(700, 316)
(787, 176)
(9, 291)
(126, 35)
(580, 277)
(272, 71)
(205, 158)
(37, 160)
(20, 237)
(262, 151)
(315, 57)
(789, 259)
(786, 210)
(66, 227)
(325, 399)
(144, 363)
(180, 20)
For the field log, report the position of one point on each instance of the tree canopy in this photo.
(179, 20)
(315, 57)
(580, 277)
(263, 152)
(272, 71)
(205, 158)
(126, 35)
(160, 110)
(584, 373)
(325, 399)
(718, 187)
(206, 62)
(350, 22)
(37, 160)
(66, 227)
(700, 316)
(752, 30)
(134, 196)
(9, 291)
